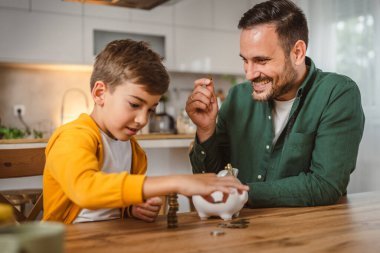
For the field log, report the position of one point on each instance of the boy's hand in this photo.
(147, 211)
(206, 184)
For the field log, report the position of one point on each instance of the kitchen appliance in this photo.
(161, 122)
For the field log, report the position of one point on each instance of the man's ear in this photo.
(98, 92)
(298, 52)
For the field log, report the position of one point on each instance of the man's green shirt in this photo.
(311, 162)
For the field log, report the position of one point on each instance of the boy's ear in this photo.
(98, 92)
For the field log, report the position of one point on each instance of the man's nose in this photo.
(251, 71)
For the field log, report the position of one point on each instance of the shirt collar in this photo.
(312, 69)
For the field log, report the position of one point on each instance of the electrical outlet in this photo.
(19, 109)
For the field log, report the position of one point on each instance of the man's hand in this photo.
(147, 211)
(202, 108)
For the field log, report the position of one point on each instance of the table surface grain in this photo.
(353, 225)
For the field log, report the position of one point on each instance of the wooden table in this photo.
(351, 226)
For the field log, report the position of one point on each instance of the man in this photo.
(292, 130)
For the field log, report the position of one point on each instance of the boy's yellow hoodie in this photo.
(73, 179)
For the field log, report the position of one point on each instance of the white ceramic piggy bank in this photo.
(225, 210)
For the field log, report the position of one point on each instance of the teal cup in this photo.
(32, 237)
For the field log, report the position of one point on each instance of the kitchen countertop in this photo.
(145, 140)
(138, 137)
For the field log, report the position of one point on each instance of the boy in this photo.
(94, 166)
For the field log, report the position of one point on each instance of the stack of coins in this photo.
(173, 208)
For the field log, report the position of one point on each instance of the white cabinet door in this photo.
(194, 13)
(205, 51)
(19, 4)
(57, 6)
(31, 37)
(159, 15)
(227, 13)
(112, 25)
(107, 12)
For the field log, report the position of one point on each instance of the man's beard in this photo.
(283, 85)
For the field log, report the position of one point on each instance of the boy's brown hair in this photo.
(133, 61)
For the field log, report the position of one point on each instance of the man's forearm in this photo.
(205, 157)
(204, 134)
(302, 190)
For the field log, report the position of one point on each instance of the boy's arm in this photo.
(189, 185)
(73, 163)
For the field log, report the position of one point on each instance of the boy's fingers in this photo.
(155, 201)
(235, 183)
(151, 208)
(148, 212)
(145, 218)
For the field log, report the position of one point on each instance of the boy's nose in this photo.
(142, 118)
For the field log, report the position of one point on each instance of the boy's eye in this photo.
(134, 105)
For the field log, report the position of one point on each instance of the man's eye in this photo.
(262, 61)
(152, 111)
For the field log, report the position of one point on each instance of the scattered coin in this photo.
(217, 232)
(240, 223)
(230, 225)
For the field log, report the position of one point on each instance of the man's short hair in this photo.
(289, 19)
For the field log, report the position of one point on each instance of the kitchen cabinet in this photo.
(212, 35)
(158, 15)
(195, 13)
(211, 51)
(227, 14)
(163, 15)
(57, 6)
(200, 35)
(106, 13)
(36, 37)
(113, 25)
(18, 4)
(214, 14)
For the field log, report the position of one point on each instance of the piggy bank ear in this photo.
(216, 197)
(208, 198)
(222, 173)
